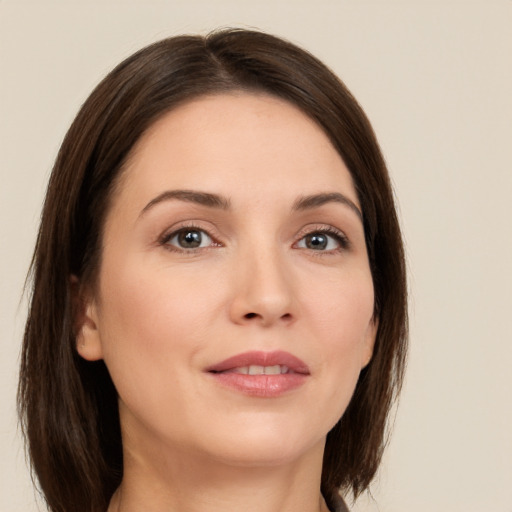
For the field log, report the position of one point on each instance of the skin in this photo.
(161, 313)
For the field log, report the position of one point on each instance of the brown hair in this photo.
(68, 406)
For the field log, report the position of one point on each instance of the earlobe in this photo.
(87, 337)
(369, 343)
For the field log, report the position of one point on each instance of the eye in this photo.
(189, 238)
(323, 241)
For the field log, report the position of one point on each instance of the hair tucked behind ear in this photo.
(68, 406)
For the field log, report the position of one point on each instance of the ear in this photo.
(87, 336)
(369, 342)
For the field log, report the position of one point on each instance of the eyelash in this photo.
(340, 238)
(167, 237)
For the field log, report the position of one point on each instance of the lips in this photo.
(262, 374)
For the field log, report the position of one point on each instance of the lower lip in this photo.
(265, 386)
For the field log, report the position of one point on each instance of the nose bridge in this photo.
(263, 291)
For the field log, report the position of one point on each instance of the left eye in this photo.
(189, 239)
(320, 241)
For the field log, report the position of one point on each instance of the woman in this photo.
(218, 318)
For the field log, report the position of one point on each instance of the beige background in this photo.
(436, 80)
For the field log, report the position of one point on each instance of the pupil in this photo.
(316, 241)
(190, 239)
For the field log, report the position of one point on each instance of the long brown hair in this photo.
(68, 406)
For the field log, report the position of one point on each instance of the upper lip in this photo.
(259, 358)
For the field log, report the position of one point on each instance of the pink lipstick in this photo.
(262, 374)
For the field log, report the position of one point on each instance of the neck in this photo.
(185, 482)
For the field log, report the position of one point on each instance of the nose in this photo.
(263, 291)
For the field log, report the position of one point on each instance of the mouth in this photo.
(261, 374)
(260, 370)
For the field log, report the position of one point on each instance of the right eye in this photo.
(189, 238)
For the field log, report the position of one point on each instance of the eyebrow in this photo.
(190, 196)
(316, 200)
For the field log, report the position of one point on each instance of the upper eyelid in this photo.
(175, 232)
(342, 239)
(321, 228)
(171, 232)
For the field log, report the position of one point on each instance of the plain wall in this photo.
(435, 78)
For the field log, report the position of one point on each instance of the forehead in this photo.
(243, 145)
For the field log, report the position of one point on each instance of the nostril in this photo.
(249, 316)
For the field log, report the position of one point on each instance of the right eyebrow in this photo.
(190, 196)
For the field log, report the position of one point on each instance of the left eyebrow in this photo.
(316, 200)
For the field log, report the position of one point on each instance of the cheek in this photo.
(146, 320)
(152, 326)
(156, 306)
(342, 321)
(342, 309)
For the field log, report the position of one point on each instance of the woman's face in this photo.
(234, 302)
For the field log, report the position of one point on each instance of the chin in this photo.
(259, 457)
(264, 447)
